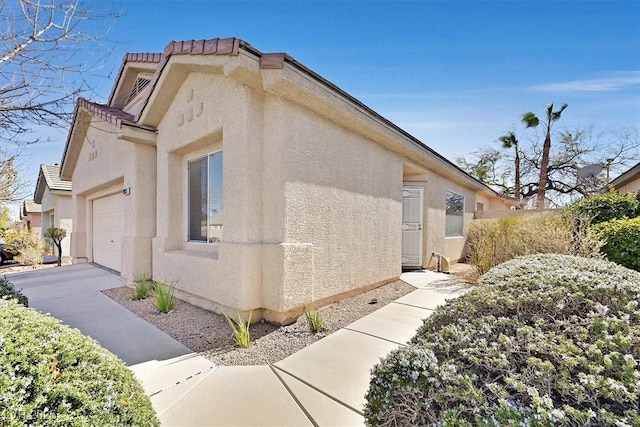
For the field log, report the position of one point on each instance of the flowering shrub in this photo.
(8, 291)
(622, 241)
(52, 375)
(545, 340)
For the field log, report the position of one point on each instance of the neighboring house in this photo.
(54, 195)
(30, 216)
(628, 182)
(255, 184)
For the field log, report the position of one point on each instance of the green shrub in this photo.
(622, 241)
(8, 291)
(608, 206)
(163, 294)
(493, 241)
(314, 319)
(52, 375)
(142, 286)
(28, 247)
(544, 340)
(241, 330)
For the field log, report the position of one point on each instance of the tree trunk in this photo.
(544, 166)
(516, 191)
(59, 246)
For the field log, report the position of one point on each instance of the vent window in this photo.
(138, 87)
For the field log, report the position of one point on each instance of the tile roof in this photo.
(232, 46)
(109, 114)
(51, 174)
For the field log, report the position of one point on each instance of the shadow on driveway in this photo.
(72, 294)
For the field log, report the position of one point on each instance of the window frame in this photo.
(189, 161)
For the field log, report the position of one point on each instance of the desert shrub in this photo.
(163, 295)
(544, 340)
(8, 291)
(52, 375)
(314, 319)
(141, 287)
(622, 241)
(608, 206)
(241, 330)
(28, 247)
(493, 241)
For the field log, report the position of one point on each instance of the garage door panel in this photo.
(108, 228)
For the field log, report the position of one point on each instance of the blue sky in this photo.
(455, 74)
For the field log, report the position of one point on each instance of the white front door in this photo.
(412, 201)
(108, 228)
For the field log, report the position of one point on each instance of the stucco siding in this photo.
(343, 197)
(630, 187)
(59, 205)
(208, 114)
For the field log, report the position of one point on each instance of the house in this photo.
(30, 216)
(628, 182)
(254, 184)
(54, 196)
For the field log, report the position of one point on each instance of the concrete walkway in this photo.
(72, 294)
(322, 385)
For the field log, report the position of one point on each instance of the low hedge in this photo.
(8, 291)
(544, 340)
(52, 375)
(622, 241)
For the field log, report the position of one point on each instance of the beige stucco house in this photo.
(31, 216)
(627, 182)
(54, 197)
(255, 184)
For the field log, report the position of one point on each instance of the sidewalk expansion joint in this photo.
(293, 396)
(413, 305)
(357, 411)
(377, 337)
(170, 386)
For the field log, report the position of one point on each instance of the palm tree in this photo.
(530, 120)
(57, 235)
(509, 141)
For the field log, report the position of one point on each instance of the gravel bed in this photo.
(208, 333)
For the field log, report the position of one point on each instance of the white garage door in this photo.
(108, 228)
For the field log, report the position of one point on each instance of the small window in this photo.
(479, 206)
(454, 223)
(206, 198)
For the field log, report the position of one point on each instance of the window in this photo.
(454, 223)
(479, 206)
(205, 198)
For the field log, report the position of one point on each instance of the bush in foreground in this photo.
(8, 291)
(545, 340)
(52, 375)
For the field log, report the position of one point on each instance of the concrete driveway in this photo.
(72, 294)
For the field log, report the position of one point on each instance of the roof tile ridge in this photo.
(106, 112)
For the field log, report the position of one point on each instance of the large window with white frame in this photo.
(205, 198)
(454, 223)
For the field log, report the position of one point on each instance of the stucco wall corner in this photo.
(287, 276)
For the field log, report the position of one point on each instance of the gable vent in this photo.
(138, 87)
